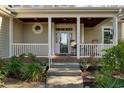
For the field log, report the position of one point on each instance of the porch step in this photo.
(64, 75)
(70, 69)
(64, 82)
(65, 59)
(65, 65)
(66, 69)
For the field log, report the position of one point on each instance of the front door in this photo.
(63, 43)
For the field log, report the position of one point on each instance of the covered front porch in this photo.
(57, 36)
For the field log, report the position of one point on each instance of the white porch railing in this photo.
(38, 49)
(41, 49)
(96, 50)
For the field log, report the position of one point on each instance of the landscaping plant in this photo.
(3, 73)
(108, 81)
(16, 68)
(13, 68)
(113, 60)
(83, 64)
(31, 57)
(33, 72)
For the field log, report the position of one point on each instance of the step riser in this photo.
(55, 66)
(64, 74)
(63, 70)
(64, 60)
(65, 86)
(65, 65)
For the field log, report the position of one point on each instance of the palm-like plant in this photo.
(33, 72)
(13, 68)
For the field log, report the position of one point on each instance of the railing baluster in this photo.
(94, 49)
(87, 50)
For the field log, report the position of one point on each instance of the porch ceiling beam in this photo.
(58, 15)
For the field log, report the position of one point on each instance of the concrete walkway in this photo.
(64, 75)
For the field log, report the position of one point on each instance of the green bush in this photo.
(113, 60)
(33, 72)
(3, 73)
(13, 68)
(22, 57)
(114, 57)
(2, 78)
(16, 67)
(31, 57)
(3, 62)
(28, 58)
(107, 81)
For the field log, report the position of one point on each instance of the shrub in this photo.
(17, 68)
(13, 68)
(3, 62)
(114, 57)
(22, 57)
(113, 60)
(84, 64)
(107, 81)
(3, 73)
(2, 77)
(33, 72)
(31, 57)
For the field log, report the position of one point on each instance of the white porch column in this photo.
(49, 37)
(78, 37)
(115, 27)
(10, 36)
(82, 28)
(53, 39)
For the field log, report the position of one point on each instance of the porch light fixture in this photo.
(37, 28)
(64, 19)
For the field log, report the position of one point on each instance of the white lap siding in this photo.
(4, 36)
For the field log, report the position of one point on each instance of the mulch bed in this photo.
(88, 76)
(89, 79)
(14, 83)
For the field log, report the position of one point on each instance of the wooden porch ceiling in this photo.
(88, 22)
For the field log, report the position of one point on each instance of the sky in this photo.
(62, 2)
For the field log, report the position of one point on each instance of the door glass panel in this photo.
(64, 42)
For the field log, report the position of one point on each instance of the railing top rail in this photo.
(97, 44)
(30, 44)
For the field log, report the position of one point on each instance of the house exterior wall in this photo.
(17, 31)
(121, 27)
(31, 37)
(4, 36)
(23, 33)
(95, 33)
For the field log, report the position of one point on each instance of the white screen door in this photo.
(63, 42)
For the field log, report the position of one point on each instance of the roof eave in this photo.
(84, 9)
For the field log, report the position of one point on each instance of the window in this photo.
(64, 29)
(108, 35)
(37, 28)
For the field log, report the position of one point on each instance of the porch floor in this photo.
(59, 59)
